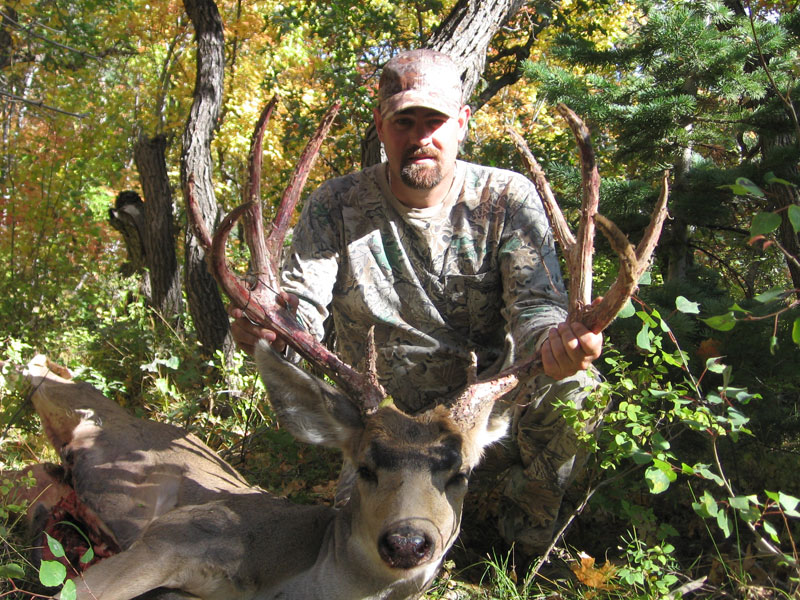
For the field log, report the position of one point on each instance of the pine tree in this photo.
(704, 90)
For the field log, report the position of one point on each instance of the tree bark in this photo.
(158, 239)
(779, 141)
(205, 302)
(127, 217)
(464, 35)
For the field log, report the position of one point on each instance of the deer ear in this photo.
(313, 411)
(488, 428)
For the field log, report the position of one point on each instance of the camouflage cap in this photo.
(420, 78)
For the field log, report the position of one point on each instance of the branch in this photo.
(28, 31)
(41, 104)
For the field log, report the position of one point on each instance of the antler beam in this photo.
(578, 252)
(263, 302)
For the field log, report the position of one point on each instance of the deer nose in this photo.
(405, 547)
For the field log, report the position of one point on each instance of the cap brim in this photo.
(417, 98)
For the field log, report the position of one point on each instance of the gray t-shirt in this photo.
(478, 272)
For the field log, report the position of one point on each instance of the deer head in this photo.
(411, 471)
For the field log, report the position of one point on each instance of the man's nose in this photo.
(423, 134)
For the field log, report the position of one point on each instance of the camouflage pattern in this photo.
(519, 486)
(478, 272)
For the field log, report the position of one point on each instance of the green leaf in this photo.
(771, 531)
(9, 570)
(794, 217)
(739, 502)
(657, 480)
(796, 331)
(643, 338)
(770, 295)
(52, 573)
(665, 468)
(724, 322)
(659, 442)
(627, 311)
(744, 187)
(55, 546)
(764, 222)
(69, 591)
(724, 522)
(770, 178)
(645, 279)
(710, 503)
(789, 504)
(87, 556)
(687, 306)
(714, 365)
(773, 345)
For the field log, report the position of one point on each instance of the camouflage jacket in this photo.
(478, 272)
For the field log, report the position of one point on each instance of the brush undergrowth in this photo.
(657, 515)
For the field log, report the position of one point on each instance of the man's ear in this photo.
(463, 122)
(376, 115)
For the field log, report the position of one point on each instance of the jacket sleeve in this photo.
(311, 264)
(534, 296)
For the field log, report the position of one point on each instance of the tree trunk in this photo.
(127, 217)
(676, 242)
(777, 145)
(158, 238)
(464, 35)
(205, 302)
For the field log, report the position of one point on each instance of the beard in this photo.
(421, 177)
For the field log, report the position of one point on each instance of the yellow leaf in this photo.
(595, 577)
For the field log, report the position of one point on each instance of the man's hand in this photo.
(246, 334)
(570, 348)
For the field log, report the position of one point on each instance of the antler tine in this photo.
(580, 260)
(292, 193)
(579, 252)
(561, 229)
(478, 396)
(262, 302)
(251, 195)
(633, 263)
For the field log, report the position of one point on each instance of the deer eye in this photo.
(459, 479)
(367, 474)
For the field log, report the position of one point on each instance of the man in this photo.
(443, 258)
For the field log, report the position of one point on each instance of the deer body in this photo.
(186, 520)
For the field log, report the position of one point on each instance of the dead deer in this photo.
(184, 519)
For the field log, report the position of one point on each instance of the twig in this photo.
(41, 104)
(28, 30)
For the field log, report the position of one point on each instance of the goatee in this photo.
(419, 176)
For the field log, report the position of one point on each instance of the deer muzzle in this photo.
(405, 546)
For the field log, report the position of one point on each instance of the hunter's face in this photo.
(421, 145)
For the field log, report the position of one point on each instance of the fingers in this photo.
(570, 348)
(247, 334)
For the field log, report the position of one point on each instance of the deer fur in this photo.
(185, 520)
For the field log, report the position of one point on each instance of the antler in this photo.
(578, 252)
(263, 302)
